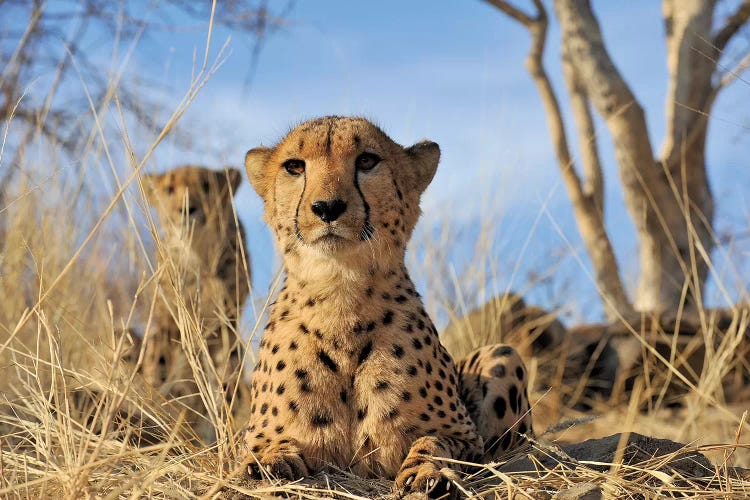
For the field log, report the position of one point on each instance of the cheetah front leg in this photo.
(281, 459)
(421, 471)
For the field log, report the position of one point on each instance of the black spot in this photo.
(370, 326)
(393, 413)
(500, 407)
(382, 385)
(386, 296)
(293, 346)
(423, 392)
(498, 370)
(438, 385)
(507, 439)
(310, 302)
(263, 408)
(400, 299)
(364, 353)
(398, 351)
(412, 371)
(305, 387)
(417, 344)
(438, 400)
(424, 417)
(428, 368)
(280, 365)
(303, 328)
(503, 350)
(280, 389)
(320, 420)
(369, 292)
(300, 373)
(275, 349)
(293, 406)
(279, 429)
(274, 411)
(513, 398)
(406, 396)
(327, 361)
(427, 340)
(343, 396)
(519, 373)
(441, 414)
(319, 334)
(362, 413)
(388, 318)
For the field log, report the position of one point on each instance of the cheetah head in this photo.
(338, 187)
(198, 195)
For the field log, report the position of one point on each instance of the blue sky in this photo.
(452, 72)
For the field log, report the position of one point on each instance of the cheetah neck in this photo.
(340, 288)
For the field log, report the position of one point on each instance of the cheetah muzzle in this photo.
(351, 372)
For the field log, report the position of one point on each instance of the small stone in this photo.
(584, 491)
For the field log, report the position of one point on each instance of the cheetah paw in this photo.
(425, 478)
(278, 466)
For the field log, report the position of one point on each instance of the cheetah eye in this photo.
(294, 167)
(366, 161)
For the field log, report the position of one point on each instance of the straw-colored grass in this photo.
(76, 423)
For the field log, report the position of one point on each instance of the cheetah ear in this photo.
(255, 165)
(425, 156)
(232, 175)
(150, 184)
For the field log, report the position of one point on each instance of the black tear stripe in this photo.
(296, 212)
(328, 138)
(368, 229)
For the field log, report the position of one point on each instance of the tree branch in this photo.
(587, 211)
(732, 26)
(512, 12)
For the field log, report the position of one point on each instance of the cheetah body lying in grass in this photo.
(204, 271)
(351, 373)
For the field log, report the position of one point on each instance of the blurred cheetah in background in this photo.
(205, 268)
(351, 372)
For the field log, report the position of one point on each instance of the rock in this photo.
(639, 449)
(584, 491)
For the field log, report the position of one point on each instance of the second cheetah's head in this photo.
(338, 187)
(197, 195)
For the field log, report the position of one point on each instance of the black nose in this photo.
(329, 210)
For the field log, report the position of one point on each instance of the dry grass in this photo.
(75, 268)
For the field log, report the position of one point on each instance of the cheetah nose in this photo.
(329, 210)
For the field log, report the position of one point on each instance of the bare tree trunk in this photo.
(587, 199)
(668, 198)
(665, 203)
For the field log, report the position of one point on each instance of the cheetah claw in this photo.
(427, 479)
(277, 466)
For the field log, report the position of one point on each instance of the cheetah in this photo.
(350, 370)
(205, 266)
